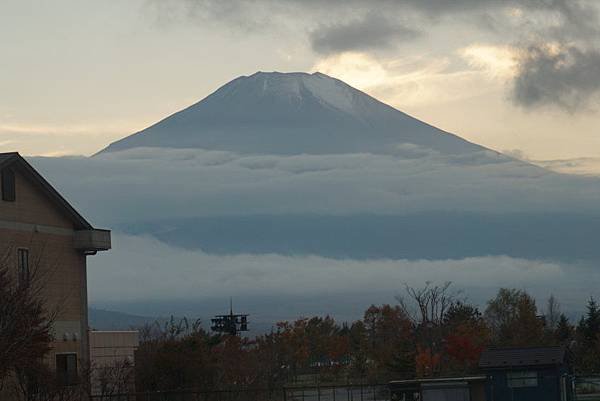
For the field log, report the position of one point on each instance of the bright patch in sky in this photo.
(357, 69)
(497, 61)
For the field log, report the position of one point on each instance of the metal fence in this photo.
(587, 388)
(379, 392)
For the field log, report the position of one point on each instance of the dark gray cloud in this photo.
(567, 80)
(560, 67)
(573, 11)
(579, 19)
(369, 32)
(567, 77)
(380, 20)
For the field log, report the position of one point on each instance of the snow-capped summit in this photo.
(292, 113)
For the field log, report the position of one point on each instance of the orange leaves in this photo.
(427, 362)
(464, 345)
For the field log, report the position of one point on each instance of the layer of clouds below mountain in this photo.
(161, 184)
(158, 184)
(140, 270)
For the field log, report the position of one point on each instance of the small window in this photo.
(23, 266)
(447, 394)
(66, 369)
(8, 185)
(522, 379)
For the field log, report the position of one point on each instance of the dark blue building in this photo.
(470, 388)
(527, 374)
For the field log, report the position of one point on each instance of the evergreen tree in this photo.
(587, 350)
(359, 346)
(591, 323)
(564, 330)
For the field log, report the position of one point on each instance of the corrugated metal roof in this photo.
(440, 380)
(514, 357)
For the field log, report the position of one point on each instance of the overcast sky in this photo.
(519, 76)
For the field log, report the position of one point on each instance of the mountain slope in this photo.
(293, 113)
(100, 319)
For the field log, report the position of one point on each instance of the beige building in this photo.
(42, 236)
(112, 357)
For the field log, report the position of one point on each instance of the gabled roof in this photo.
(15, 160)
(494, 358)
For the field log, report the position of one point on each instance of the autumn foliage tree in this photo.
(466, 337)
(512, 317)
(431, 332)
(174, 356)
(315, 345)
(358, 344)
(391, 346)
(427, 307)
(25, 330)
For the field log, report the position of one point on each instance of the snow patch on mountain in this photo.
(296, 86)
(330, 92)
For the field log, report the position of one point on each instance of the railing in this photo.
(378, 392)
(587, 388)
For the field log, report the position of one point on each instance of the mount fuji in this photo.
(293, 113)
(297, 163)
(299, 191)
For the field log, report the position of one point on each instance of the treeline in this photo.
(430, 332)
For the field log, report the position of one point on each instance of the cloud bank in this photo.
(142, 269)
(140, 185)
(149, 184)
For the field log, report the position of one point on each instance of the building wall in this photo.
(32, 206)
(107, 347)
(548, 388)
(33, 222)
(113, 350)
